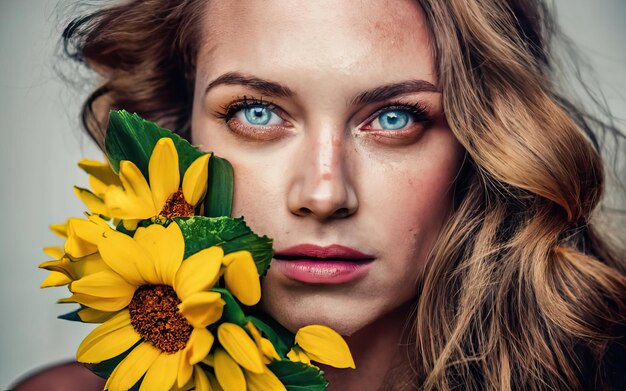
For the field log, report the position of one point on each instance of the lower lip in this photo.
(322, 272)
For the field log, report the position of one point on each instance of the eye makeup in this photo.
(416, 114)
(228, 114)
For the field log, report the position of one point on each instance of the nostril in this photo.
(341, 212)
(304, 211)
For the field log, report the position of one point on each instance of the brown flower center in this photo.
(155, 316)
(177, 206)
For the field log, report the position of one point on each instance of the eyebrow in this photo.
(262, 86)
(391, 90)
(273, 89)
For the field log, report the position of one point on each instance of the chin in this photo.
(298, 306)
(294, 316)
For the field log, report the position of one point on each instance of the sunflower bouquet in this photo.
(172, 279)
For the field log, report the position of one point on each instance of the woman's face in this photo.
(335, 129)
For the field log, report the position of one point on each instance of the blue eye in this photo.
(257, 114)
(393, 119)
(399, 117)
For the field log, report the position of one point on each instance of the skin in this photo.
(327, 171)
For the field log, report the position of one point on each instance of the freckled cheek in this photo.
(414, 207)
(411, 225)
(257, 194)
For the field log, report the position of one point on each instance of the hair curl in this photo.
(521, 292)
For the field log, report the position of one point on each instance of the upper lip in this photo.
(322, 252)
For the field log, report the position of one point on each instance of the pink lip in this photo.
(334, 264)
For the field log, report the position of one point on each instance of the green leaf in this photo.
(280, 337)
(232, 234)
(232, 311)
(219, 197)
(297, 376)
(106, 367)
(72, 316)
(130, 137)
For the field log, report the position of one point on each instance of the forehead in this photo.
(312, 44)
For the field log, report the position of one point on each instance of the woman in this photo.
(428, 191)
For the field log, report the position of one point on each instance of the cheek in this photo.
(259, 190)
(413, 199)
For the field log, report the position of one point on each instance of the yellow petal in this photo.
(201, 380)
(268, 349)
(166, 247)
(55, 279)
(198, 272)
(100, 170)
(99, 188)
(92, 201)
(133, 367)
(83, 237)
(263, 381)
(98, 303)
(63, 265)
(89, 265)
(105, 284)
(66, 300)
(202, 309)
(90, 315)
(195, 181)
(240, 347)
(264, 344)
(99, 221)
(228, 373)
(185, 371)
(163, 172)
(199, 344)
(324, 345)
(76, 269)
(293, 355)
(303, 357)
(55, 252)
(162, 373)
(108, 340)
(127, 258)
(59, 229)
(242, 278)
(134, 201)
(297, 355)
(130, 225)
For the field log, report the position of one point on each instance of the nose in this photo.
(321, 186)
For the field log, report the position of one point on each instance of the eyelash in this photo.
(418, 111)
(229, 111)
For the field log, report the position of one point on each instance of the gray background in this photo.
(41, 142)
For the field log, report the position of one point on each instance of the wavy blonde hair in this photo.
(520, 292)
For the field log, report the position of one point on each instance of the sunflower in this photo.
(161, 306)
(165, 196)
